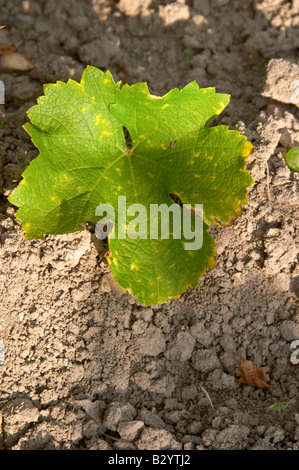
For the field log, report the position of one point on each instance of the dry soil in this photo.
(83, 366)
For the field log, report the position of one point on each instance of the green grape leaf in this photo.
(173, 155)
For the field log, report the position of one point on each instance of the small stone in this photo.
(117, 412)
(90, 430)
(172, 404)
(182, 348)
(152, 342)
(289, 330)
(216, 423)
(130, 430)
(233, 437)
(99, 444)
(18, 414)
(228, 343)
(157, 439)
(278, 436)
(76, 433)
(261, 430)
(176, 416)
(294, 285)
(93, 409)
(282, 82)
(121, 444)
(285, 139)
(145, 314)
(189, 446)
(174, 12)
(139, 327)
(133, 7)
(275, 110)
(151, 419)
(101, 52)
(108, 284)
(194, 428)
(189, 392)
(164, 386)
(202, 335)
(205, 360)
(222, 381)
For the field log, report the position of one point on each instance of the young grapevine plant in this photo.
(85, 161)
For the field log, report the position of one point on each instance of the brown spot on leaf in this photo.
(231, 221)
(229, 224)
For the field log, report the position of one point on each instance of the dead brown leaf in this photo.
(249, 374)
(8, 48)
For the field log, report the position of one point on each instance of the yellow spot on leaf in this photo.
(98, 119)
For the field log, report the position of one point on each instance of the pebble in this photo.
(205, 360)
(182, 348)
(117, 412)
(130, 430)
(289, 330)
(285, 139)
(152, 342)
(153, 439)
